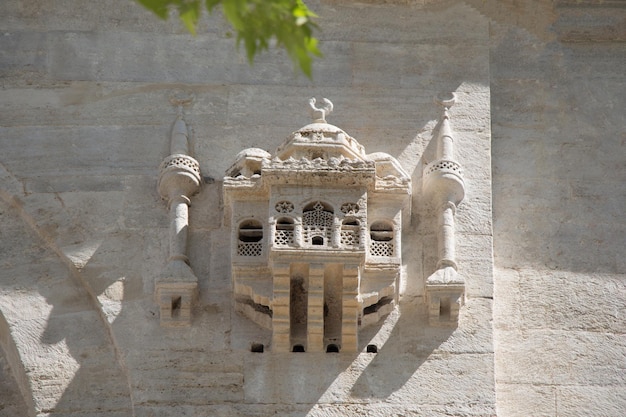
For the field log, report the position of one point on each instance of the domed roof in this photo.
(380, 156)
(254, 153)
(387, 165)
(320, 139)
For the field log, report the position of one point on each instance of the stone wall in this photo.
(559, 135)
(85, 119)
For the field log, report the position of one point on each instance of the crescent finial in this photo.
(319, 114)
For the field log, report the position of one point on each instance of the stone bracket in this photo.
(175, 302)
(444, 303)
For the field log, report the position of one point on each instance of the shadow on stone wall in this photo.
(55, 340)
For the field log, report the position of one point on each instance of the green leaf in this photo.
(210, 4)
(256, 23)
(189, 13)
(158, 7)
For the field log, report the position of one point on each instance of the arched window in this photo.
(350, 232)
(284, 232)
(317, 224)
(381, 239)
(250, 238)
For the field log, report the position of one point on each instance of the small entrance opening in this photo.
(333, 296)
(332, 348)
(176, 306)
(257, 348)
(317, 241)
(298, 305)
(444, 308)
(250, 231)
(297, 348)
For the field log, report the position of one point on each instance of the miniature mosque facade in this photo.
(316, 236)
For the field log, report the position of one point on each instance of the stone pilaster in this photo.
(280, 309)
(350, 309)
(315, 313)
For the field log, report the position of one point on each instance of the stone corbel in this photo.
(443, 183)
(179, 179)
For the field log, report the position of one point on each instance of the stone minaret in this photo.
(444, 185)
(179, 179)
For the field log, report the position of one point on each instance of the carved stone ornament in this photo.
(349, 208)
(284, 207)
(179, 179)
(443, 182)
(319, 114)
(312, 224)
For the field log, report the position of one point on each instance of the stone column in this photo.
(179, 179)
(443, 183)
(336, 233)
(363, 233)
(179, 221)
(272, 232)
(446, 241)
(297, 232)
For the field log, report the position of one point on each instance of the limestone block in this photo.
(143, 208)
(116, 257)
(244, 333)
(590, 400)
(91, 64)
(412, 249)
(568, 357)
(23, 50)
(474, 213)
(110, 104)
(155, 252)
(62, 184)
(320, 410)
(61, 15)
(205, 212)
(507, 313)
(215, 149)
(167, 377)
(379, 24)
(29, 301)
(368, 380)
(13, 403)
(220, 276)
(539, 400)
(199, 247)
(479, 281)
(588, 306)
(430, 253)
(65, 367)
(88, 144)
(474, 332)
(189, 388)
(414, 67)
